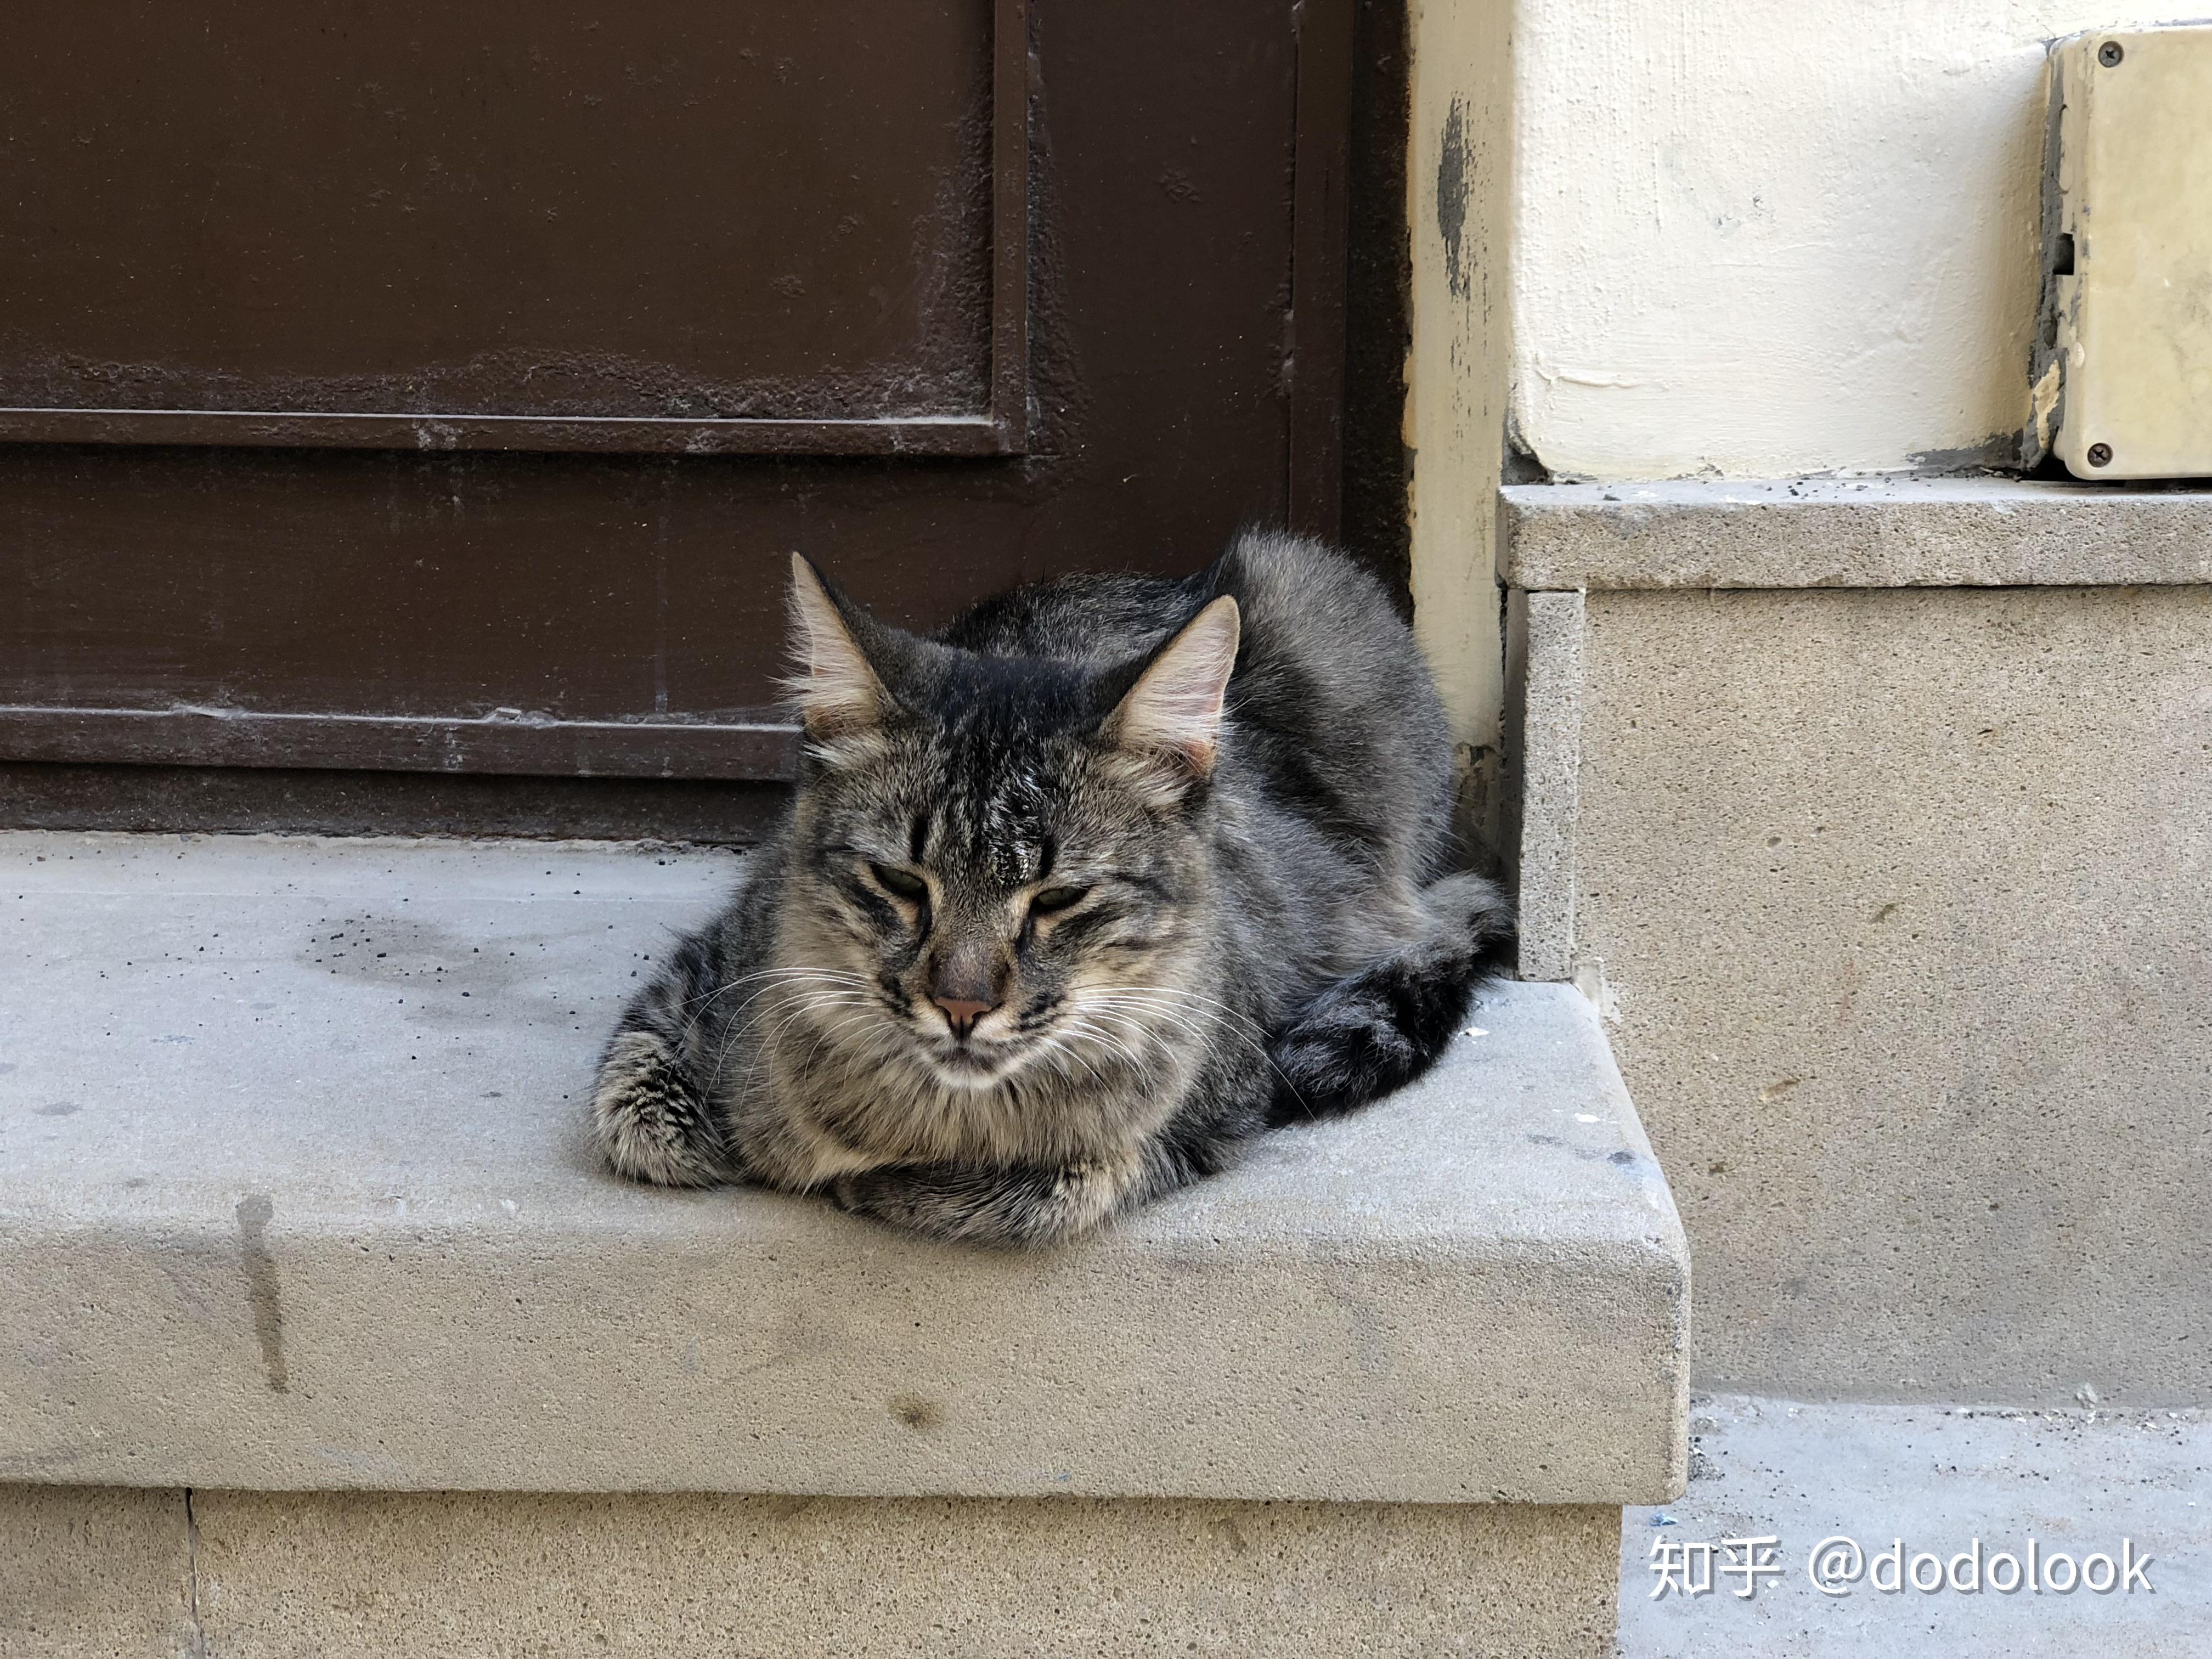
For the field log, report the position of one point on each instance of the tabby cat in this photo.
(1074, 898)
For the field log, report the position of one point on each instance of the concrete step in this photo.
(294, 1195)
(1929, 1481)
(1876, 814)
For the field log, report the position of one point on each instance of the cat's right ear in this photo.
(837, 688)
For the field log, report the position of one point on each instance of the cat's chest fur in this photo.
(820, 1111)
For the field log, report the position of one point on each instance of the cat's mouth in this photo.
(971, 1065)
(985, 1059)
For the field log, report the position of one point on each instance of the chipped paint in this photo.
(1459, 161)
(1451, 198)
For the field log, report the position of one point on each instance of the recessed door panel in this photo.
(946, 297)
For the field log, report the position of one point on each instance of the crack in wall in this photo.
(199, 1647)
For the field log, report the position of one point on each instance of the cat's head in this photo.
(1000, 866)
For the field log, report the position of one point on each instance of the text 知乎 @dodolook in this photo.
(1839, 1565)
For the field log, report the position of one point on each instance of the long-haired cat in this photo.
(1074, 898)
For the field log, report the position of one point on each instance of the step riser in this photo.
(321, 1575)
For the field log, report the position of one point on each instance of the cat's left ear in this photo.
(833, 683)
(1173, 712)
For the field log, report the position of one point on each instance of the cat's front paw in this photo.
(943, 1201)
(651, 1123)
(1021, 1205)
(889, 1195)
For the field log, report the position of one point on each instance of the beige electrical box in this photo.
(2123, 358)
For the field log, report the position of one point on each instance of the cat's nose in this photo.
(961, 1014)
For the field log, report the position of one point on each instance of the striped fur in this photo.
(1185, 910)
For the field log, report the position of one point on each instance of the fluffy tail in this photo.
(1383, 1026)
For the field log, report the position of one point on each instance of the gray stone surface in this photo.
(1898, 902)
(2078, 1482)
(293, 1193)
(1847, 532)
(359, 1576)
(96, 1572)
(1549, 743)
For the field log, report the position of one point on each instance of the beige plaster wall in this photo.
(1753, 240)
(1459, 170)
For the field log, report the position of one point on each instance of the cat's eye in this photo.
(1047, 900)
(904, 883)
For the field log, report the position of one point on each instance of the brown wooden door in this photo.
(440, 387)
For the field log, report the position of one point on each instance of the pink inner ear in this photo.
(834, 686)
(1176, 706)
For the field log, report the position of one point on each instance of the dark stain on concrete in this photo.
(262, 1295)
(29, 1465)
(916, 1412)
(436, 976)
(1620, 1156)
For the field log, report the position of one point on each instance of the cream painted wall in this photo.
(1768, 237)
(1459, 169)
